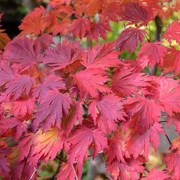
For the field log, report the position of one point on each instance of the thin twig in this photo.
(147, 170)
(60, 159)
(102, 157)
(168, 139)
(75, 173)
(162, 121)
(32, 175)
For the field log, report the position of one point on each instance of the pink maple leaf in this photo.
(143, 113)
(156, 174)
(79, 142)
(67, 172)
(136, 12)
(172, 160)
(80, 27)
(106, 112)
(60, 57)
(6, 74)
(168, 93)
(50, 82)
(15, 126)
(172, 61)
(116, 149)
(76, 116)
(125, 83)
(23, 52)
(152, 53)
(140, 144)
(91, 81)
(53, 107)
(21, 85)
(100, 57)
(4, 165)
(98, 30)
(127, 170)
(23, 107)
(173, 31)
(129, 38)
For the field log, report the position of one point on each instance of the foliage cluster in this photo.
(64, 102)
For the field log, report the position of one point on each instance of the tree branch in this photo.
(159, 25)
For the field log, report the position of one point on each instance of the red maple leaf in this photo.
(35, 22)
(172, 61)
(79, 142)
(129, 38)
(42, 43)
(89, 8)
(91, 81)
(22, 108)
(156, 174)
(67, 172)
(55, 3)
(98, 30)
(12, 126)
(100, 57)
(48, 144)
(116, 149)
(50, 82)
(4, 165)
(62, 12)
(20, 86)
(6, 74)
(168, 94)
(143, 113)
(80, 27)
(111, 11)
(4, 39)
(126, 82)
(51, 110)
(172, 31)
(35, 147)
(172, 160)
(25, 145)
(76, 116)
(140, 144)
(23, 52)
(136, 12)
(61, 56)
(106, 111)
(38, 145)
(61, 27)
(128, 170)
(153, 52)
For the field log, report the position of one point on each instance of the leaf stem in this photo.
(75, 173)
(60, 159)
(168, 139)
(32, 175)
(162, 121)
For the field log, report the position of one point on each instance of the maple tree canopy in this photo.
(68, 93)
